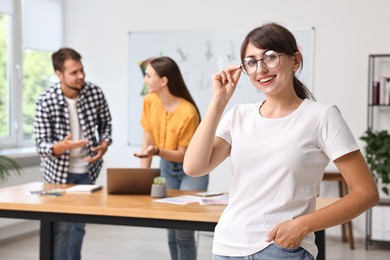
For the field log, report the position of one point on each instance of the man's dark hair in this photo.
(58, 58)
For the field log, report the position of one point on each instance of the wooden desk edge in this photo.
(155, 210)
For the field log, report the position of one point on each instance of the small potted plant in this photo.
(7, 165)
(377, 152)
(159, 189)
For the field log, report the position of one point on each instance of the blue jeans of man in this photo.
(181, 242)
(68, 236)
(272, 252)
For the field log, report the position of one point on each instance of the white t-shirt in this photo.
(77, 155)
(277, 166)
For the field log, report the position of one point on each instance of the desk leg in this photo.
(320, 242)
(46, 241)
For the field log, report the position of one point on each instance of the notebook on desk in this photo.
(130, 180)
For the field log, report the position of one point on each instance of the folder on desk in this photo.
(130, 180)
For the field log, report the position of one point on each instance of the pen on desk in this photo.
(53, 192)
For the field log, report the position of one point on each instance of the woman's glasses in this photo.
(271, 60)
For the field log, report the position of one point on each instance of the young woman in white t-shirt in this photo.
(279, 148)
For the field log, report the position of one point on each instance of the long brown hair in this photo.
(275, 37)
(167, 67)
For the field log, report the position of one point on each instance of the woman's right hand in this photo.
(225, 82)
(148, 152)
(206, 151)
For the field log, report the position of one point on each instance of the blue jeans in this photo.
(272, 252)
(68, 237)
(181, 242)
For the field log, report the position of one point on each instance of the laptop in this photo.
(130, 180)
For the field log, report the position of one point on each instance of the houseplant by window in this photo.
(377, 152)
(7, 166)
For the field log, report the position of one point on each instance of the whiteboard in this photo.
(199, 54)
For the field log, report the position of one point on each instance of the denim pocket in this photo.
(289, 250)
(295, 253)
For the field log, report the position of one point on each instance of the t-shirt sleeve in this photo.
(335, 137)
(224, 127)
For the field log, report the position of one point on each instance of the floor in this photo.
(120, 243)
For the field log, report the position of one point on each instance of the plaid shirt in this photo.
(52, 124)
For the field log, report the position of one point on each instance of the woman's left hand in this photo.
(287, 234)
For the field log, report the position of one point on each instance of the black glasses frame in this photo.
(257, 63)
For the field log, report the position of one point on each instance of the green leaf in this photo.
(7, 167)
(377, 154)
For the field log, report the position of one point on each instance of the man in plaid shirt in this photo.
(72, 129)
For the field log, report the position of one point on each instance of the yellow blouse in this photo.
(169, 130)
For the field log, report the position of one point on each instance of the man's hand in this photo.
(68, 144)
(100, 151)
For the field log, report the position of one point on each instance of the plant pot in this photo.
(158, 191)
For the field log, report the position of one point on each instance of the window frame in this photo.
(16, 138)
(15, 78)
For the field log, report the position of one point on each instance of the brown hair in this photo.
(59, 57)
(275, 37)
(167, 67)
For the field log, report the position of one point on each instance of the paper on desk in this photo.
(187, 199)
(181, 200)
(216, 200)
(83, 188)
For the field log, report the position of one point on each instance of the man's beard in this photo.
(76, 88)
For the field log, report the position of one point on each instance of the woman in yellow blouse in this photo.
(169, 119)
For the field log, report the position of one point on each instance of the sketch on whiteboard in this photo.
(232, 55)
(204, 82)
(208, 54)
(183, 57)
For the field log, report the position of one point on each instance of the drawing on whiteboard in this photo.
(232, 56)
(183, 57)
(209, 53)
(204, 82)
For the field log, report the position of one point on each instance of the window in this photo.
(25, 66)
(5, 84)
(38, 75)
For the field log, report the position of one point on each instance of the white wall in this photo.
(346, 33)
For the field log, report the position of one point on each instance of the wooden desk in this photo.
(101, 208)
